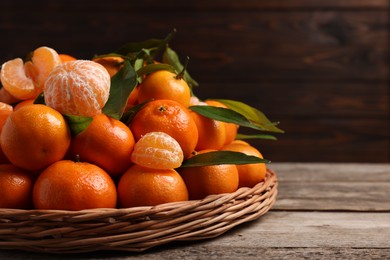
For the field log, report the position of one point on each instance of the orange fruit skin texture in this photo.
(23, 103)
(141, 186)
(79, 87)
(68, 185)
(231, 129)
(249, 174)
(163, 84)
(170, 117)
(34, 137)
(16, 187)
(211, 133)
(112, 64)
(202, 181)
(66, 57)
(106, 142)
(5, 111)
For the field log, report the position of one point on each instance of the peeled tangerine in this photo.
(157, 150)
(79, 87)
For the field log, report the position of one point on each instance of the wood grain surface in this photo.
(321, 68)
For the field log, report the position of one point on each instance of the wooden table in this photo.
(323, 211)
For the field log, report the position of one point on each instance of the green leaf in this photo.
(129, 115)
(155, 67)
(40, 99)
(224, 115)
(122, 83)
(171, 57)
(255, 136)
(221, 157)
(77, 124)
(254, 115)
(153, 46)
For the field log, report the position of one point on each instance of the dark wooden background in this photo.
(320, 67)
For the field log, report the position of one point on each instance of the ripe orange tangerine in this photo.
(34, 137)
(202, 181)
(249, 174)
(164, 84)
(5, 111)
(157, 150)
(106, 142)
(68, 185)
(211, 133)
(112, 64)
(231, 129)
(141, 186)
(79, 87)
(66, 57)
(16, 187)
(170, 117)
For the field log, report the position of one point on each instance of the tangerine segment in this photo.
(44, 59)
(141, 186)
(34, 137)
(157, 150)
(15, 80)
(68, 185)
(79, 87)
(15, 187)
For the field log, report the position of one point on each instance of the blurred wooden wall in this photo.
(320, 67)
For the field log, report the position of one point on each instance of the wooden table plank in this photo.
(330, 187)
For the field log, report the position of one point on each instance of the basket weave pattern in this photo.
(134, 229)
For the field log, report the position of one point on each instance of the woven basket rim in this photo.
(137, 228)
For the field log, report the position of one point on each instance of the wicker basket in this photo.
(134, 229)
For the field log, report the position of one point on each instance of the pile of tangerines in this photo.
(116, 131)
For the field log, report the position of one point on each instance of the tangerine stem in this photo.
(181, 74)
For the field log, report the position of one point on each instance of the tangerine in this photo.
(249, 174)
(157, 150)
(107, 142)
(66, 57)
(170, 117)
(34, 137)
(16, 187)
(112, 64)
(26, 80)
(163, 84)
(202, 181)
(79, 87)
(141, 186)
(5, 112)
(68, 185)
(231, 129)
(211, 133)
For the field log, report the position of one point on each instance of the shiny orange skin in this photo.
(170, 117)
(23, 103)
(4, 114)
(16, 187)
(66, 57)
(202, 181)
(68, 185)
(211, 133)
(34, 137)
(140, 186)
(112, 64)
(106, 142)
(231, 129)
(164, 84)
(249, 174)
